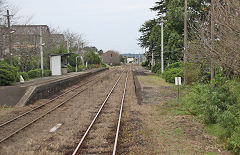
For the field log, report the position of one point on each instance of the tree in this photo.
(72, 60)
(225, 40)
(172, 11)
(92, 58)
(100, 52)
(75, 41)
(146, 30)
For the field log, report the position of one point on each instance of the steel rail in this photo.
(38, 107)
(120, 116)
(99, 111)
(12, 134)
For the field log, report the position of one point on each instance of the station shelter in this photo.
(58, 63)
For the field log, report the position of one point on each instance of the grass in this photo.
(153, 80)
(168, 126)
(215, 130)
(172, 107)
(4, 109)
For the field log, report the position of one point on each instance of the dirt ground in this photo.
(155, 127)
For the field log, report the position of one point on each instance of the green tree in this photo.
(146, 30)
(92, 58)
(72, 60)
(61, 50)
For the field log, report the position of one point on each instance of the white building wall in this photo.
(129, 60)
(55, 63)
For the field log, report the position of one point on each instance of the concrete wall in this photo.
(49, 89)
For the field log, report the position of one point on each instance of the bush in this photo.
(156, 67)
(175, 65)
(36, 73)
(234, 141)
(145, 63)
(8, 74)
(24, 75)
(69, 68)
(192, 72)
(72, 59)
(102, 65)
(159, 72)
(91, 66)
(169, 75)
(18, 77)
(218, 106)
(47, 73)
(81, 68)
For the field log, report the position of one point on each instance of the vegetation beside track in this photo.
(160, 126)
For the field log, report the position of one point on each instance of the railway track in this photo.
(15, 125)
(101, 136)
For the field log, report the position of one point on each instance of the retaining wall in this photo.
(46, 90)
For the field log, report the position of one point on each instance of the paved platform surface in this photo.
(10, 95)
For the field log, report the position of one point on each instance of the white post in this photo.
(41, 49)
(162, 61)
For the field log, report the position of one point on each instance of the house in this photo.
(111, 58)
(26, 38)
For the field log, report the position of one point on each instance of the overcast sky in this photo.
(106, 24)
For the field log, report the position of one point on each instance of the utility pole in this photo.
(185, 42)
(212, 38)
(41, 49)
(9, 36)
(162, 58)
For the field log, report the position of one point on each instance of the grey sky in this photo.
(106, 24)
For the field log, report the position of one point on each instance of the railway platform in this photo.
(30, 91)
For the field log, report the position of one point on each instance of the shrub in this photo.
(234, 141)
(18, 77)
(8, 74)
(159, 72)
(36, 73)
(217, 106)
(69, 68)
(47, 73)
(72, 59)
(24, 75)
(192, 72)
(156, 67)
(175, 65)
(81, 68)
(169, 75)
(145, 63)
(102, 65)
(91, 66)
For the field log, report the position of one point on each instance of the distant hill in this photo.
(130, 55)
